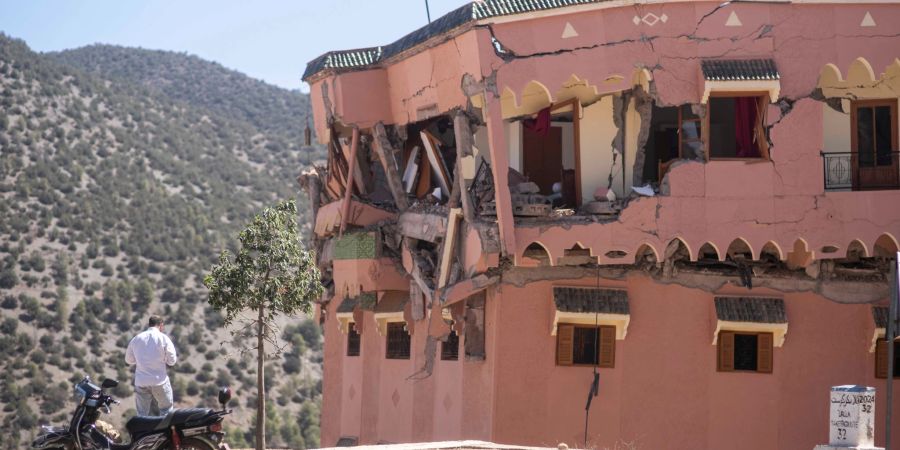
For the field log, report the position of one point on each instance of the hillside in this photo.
(202, 83)
(278, 115)
(117, 192)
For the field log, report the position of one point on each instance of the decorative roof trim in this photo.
(366, 58)
(348, 304)
(740, 75)
(581, 299)
(741, 309)
(880, 316)
(739, 69)
(392, 301)
(751, 315)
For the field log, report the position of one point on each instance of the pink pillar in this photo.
(372, 355)
(500, 169)
(332, 382)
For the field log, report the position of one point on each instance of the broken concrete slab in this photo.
(423, 226)
(360, 214)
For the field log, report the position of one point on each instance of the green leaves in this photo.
(272, 274)
(271, 269)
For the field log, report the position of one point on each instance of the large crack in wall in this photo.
(839, 291)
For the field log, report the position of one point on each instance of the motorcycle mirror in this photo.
(109, 383)
(224, 396)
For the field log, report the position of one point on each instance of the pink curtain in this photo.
(745, 126)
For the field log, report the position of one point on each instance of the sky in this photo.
(266, 39)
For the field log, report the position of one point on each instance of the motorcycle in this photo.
(180, 429)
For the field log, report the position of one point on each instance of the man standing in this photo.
(152, 351)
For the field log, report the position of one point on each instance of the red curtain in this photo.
(745, 127)
(540, 124)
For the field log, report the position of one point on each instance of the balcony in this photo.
(851, 171)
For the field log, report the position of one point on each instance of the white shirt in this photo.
(152, 351)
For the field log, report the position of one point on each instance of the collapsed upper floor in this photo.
(630, 124)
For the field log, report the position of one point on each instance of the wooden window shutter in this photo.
(764, 352)
(565, 336)
(726, 351)
(759, 129)
(607, 346)
(881, 362)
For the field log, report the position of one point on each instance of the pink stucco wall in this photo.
(360, 391)
(664, 391)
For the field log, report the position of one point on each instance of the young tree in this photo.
(272, 274)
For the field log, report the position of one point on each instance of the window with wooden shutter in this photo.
(764, 352)
(580, 345)
(745, 352)
(726, 351)
(607, 346)
(881, 359)
(565, 336)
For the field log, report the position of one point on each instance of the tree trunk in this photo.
(260, 384)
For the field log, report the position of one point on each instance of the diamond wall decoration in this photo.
(650, 19)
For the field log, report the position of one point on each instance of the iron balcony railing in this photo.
(860, 172)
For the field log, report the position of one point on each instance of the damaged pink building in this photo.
(697, 201)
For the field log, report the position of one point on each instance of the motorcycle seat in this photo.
(191, 416)
(142, 424)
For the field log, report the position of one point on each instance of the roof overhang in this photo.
(740, 76)
(591, 306)
(751, 315)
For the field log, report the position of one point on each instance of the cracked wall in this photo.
(777, 204)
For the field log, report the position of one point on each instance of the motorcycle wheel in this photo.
(195, 444)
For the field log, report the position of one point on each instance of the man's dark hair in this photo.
(155, 321)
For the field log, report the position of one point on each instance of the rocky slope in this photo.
(123, 173)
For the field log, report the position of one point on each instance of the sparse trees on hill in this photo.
(124, 193)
